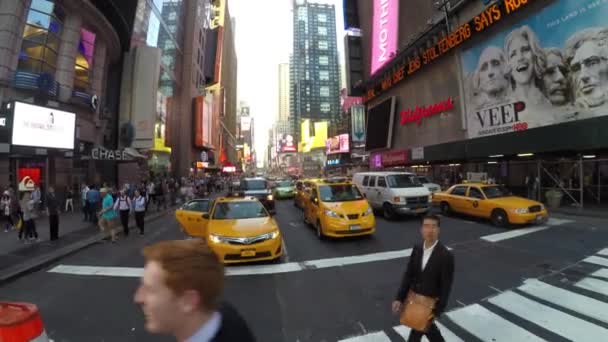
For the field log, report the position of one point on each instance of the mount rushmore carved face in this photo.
(590, 74)
(491, 71)
(555, 78)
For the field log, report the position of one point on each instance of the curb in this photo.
(581, 213)
(45, 259)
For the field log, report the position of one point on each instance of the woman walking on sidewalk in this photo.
(123, 205)
(139, 204)
(69, 199)
(5, 211)
(28, 207)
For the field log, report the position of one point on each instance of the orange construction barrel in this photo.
(21, 322)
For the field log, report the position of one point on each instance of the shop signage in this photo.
(416, 114)
(394, 158)
(413, 60)
(99, 153)
(204, 156)
(417, 153)
(337, 144)
(333, 162)
(384, 40)
(44, 127)
(229, 169)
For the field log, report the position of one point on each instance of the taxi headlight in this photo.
(269, 197)
(332, 213)
(521, 210)
(369, 211)
(431, 197)
(274, 234)
(216, 238)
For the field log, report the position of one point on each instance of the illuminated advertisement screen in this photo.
(37, 126)
(337, 144)
(385, 31)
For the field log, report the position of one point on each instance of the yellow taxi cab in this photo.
(237, 229)
(490, 201)
(336, 208)
(190, 217)
(302, 191)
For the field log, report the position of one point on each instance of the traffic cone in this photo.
(21, 322)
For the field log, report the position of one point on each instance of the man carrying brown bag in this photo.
(426, 284)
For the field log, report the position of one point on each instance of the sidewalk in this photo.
(588, 211)
(17, 258)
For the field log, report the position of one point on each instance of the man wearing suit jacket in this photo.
(180, 294)
(430, 272)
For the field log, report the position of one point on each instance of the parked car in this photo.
(395, 193)
(433, 187)
(490, 201)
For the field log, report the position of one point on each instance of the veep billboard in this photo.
(384, 39)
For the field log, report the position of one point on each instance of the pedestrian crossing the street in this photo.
(576, 312)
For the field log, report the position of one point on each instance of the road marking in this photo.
(594, 285)
(244, 270)
(379, 336)
(597, 260)
(130, 272)
(285, 254)
(488, 326)
(558, 322)
(603, 252)
(603, 273)
(448, 335)
(358, 259)
(557, 222)
(512, 234)
(576, 302)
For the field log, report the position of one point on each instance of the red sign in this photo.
(29, 178)
(394, 158)
(418, 113)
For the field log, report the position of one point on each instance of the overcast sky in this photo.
(263, 41)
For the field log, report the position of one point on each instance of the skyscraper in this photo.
(315, 75)
(283, 91)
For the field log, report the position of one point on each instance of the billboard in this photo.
(286, 143)
(37, 126)
(245, 123)
(313, 135)
(549, 68)
(203, 120)
(385, 31)
(337, 144)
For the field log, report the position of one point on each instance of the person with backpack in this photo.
(123, 206)
(139, 207)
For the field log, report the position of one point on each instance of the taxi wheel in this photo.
(500, 218)
(445, 208)
(320, 234)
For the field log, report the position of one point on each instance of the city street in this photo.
(510, 285)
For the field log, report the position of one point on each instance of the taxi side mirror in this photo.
(206, 216)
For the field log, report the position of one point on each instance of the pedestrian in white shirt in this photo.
(139, 205)
(123, 205)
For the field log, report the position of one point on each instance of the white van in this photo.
(394, 192)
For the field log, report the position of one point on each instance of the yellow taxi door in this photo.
(191, 217)
(458, 198)
(476, 203)
(312, 205)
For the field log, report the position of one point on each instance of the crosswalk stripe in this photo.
(602, 273)
(488, 326)
(556, 321)
(448, 335)
(603, 252)
(512, 234)
(379, 336)
(594, 285)
(576, 302)
(597, 260)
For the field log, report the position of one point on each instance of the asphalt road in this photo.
(342, 290)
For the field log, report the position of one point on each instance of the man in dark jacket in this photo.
(180, 294)
(52, 207)
(430, 273)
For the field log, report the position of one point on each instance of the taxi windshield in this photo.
(284, 184)
(496, 191)
(254, 184)
(339, 193)
(403, 181)
(239, 210)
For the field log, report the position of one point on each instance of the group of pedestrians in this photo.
(19, 211)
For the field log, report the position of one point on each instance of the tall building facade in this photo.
(283, 91)
(314, 65)
(62, 60)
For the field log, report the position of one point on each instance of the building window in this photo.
(323, 60)
(324, 75)
(172, 16)
(323, 45)
(322, 18)
(84, 60)
(307, 75)
(322, 30)
(325, 107)
(41, 37)
(324, 91)
(308, 107)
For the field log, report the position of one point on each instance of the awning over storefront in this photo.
(135, 153)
